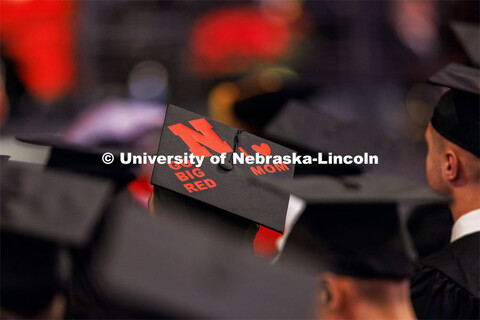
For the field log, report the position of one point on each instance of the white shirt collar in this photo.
(466, 224)
(294, 211)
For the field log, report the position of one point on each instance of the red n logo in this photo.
(207, 137)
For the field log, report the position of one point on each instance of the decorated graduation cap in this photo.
(351, 224)
(311, 131)
(469, 36)
(83, 159)
(51, 205)
(456, 116)
(178, 269)
(221, 186)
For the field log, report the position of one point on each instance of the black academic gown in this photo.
(446, 284)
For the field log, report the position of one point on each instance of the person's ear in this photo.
(450, 165)
(329, 293)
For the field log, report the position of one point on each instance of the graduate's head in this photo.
(363, 262)
(449, 166)
(453, 159)
(350, 236)
(345, 297)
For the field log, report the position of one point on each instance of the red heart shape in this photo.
(263, 148)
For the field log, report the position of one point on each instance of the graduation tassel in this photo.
(348, 184)
(228, 165)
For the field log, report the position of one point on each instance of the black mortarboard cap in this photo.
(469, 36)
(351, 224)
(311, 131)
(257, 111)
(317, 131)
(457, 115)
(225, 187)
(83, 159)
(179, 269)
(356, 189)
(52, 205)
(458, 77)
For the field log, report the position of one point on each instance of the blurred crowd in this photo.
(85, 239)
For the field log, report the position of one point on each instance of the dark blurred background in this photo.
(367, 62)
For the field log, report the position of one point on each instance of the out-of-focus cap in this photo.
(176, 269)
(458, 77)
(317, 131)
(52, 205)
(469, 36)
(83, 159)
(356, 189)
